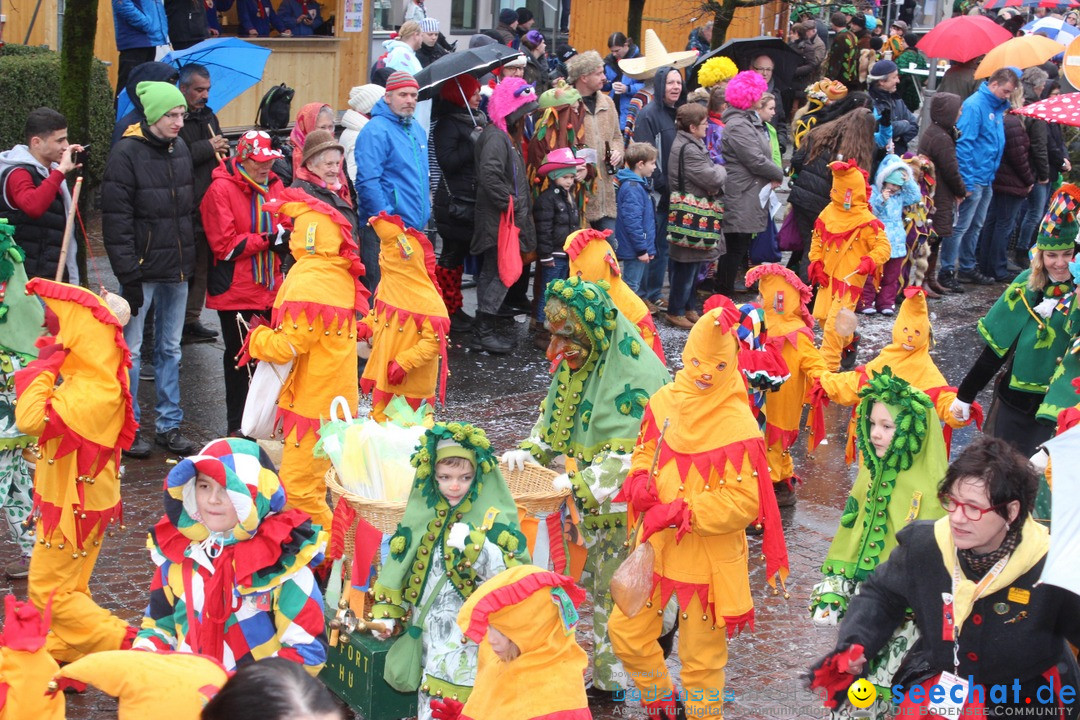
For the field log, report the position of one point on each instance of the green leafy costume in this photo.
(593, 415)
(420, 554)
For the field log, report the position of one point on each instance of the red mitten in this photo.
(816, 273)
(831, 675)
(446, 709)
(661, 517)
(866, 265)
(395, 374)
(363, 331)
(638, 491)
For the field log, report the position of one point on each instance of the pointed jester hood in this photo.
(599, 406)
(21, 316)
(849, 206)
(909, 352)
(592, 259)
(783, 298)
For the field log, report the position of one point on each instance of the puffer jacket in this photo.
(234, 244)
(392, 168)
(748, 159)
(500, 169)
(938, 143)
(1014, 174)
(1038, 134)
(982, 136)
(556, 216)
(890, 211)
(905, 125)
(198, 127)
(147, 208)
(813, 181)
(140, 23)
(655, 124)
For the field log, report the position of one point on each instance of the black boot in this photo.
(847, 357)
(485, 338)
(461, 322)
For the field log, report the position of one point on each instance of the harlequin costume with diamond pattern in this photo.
(408, 319)
(592, 259)
(592, 416)
(711, 481)
(313, 321)
(82, 424)
(848, 247)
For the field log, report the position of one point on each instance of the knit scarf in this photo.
(262, 263)
(981, 564)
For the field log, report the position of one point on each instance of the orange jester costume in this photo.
(409, 322)
(711, 481)
(848, 246)
(593, 259)
(82, 424)
(313, 324)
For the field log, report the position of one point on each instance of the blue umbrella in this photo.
(1053, 28)
(234, 64)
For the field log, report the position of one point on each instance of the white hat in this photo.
(655, 57)
(429, 25)
(518, 61)
(362, 98)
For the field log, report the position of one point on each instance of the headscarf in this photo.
(305, 123)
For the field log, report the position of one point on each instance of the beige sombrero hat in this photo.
(655, 57)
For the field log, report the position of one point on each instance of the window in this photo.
(381, 15)
(463, 14)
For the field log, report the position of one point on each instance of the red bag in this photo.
(509, 247)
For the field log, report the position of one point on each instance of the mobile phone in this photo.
(83, 155)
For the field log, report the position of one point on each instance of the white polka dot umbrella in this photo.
(1060, 109)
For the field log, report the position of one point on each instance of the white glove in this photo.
(384, 630)
(1046, 307)
(960, 410)
(1040, 459)
(562, 482)
(459, 535)
(516, 459)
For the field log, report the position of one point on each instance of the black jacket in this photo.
(147, 208)
(904, 123)
(501, 177)
(427, 55)
(556, 216)
(40, 238)
(1014, 174)
(938, 143)
(454, 151)
(537, 73)
(813, 181)
(198, 127)
(655, 125)
(187, 22)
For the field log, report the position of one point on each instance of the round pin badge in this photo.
(1001, 608)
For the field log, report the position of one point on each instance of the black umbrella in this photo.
(475, 62)
(744, 50)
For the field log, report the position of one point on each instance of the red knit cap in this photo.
(400, 79)
(451, 93)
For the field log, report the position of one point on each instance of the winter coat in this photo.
(938, 143)
(537, 72)
(1055, 150)
(508, 36)
(960, 80)
(813, 181)
(392, 168)
(500, 170)
(1039, 136)
(890, 211)
(248, 13)
(655, 124)
(696, 41)
(186, 22)
(331, 198)
(1014, 175)
(748, 159)
(614, 74)
(147, 209)
(400, 56)
(982, 137)
(235, 246)
(781, 128)
(635, 224)
(600, 131)
(290, 10)
(556, 216)
(353, 122)
(139, 24)
(40, 237)
(455, 141)
(813, 58)
(198, 127)
(693, 171)
(714, 136)
(428, 54)
(905, 126)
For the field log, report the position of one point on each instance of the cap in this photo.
(565, 52)
(256, 145)
(900, 24)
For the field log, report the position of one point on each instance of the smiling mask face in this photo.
(709, 356)
(911, 331)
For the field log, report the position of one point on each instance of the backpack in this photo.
(275, 108)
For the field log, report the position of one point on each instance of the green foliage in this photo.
(29, 78)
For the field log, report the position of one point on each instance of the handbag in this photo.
(763, 247)
(788, 237)
(694, 221)
(404, 660)
(260, 409)
(509, 247)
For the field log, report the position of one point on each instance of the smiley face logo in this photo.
(862, 694)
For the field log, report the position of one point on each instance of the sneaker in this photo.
(467, 281)
(868, 311)
(174, 442)
(678, 321)
(19, 569)
(196, 332)
(974, 277)
(146, 371)
(888, 311)
(139, 449)
(692, 316)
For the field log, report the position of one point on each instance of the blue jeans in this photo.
(965, 235)
(633, 273)
(681, 293)
(652, 285)
(170, 306)
(1001, 219)
(561, 269)
(1037, 200)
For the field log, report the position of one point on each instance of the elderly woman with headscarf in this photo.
(313, 116)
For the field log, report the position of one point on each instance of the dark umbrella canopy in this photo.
(473, 62)
(744, 50)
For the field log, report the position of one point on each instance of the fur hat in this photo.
(363, 97)
(582, 64)
(745, 89)
(513, 97)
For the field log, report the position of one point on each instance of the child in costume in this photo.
(593, 259)
(26, 667)
(81, 424)
(761, 364)
(314, 326)
(409, 322)
(915, 270)
(603, 378)
(711, 480)
(460, 528)
(555, 213)
(847, 246)
(902, 461)
(21, 318)
(894, 189)
(234, 576)
(523, 620)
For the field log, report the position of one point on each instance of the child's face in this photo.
(501, 645)
(646, 169)
(882, 429)
(454, 481)
(216, 510)
(767, 110)
(890, 188)
(566, 181)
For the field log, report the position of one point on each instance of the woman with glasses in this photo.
(902, 458)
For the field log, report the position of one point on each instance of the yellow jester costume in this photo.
(82, 424)
(409, 322)
(313, 324)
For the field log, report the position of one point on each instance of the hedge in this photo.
(30, 78)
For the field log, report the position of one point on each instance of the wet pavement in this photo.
(501, 394)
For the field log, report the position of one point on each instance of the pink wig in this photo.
(509, 95)
(745, 89)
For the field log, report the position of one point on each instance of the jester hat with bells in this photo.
(537, 610)
(593, 259)
(409, 318)
(89, 414)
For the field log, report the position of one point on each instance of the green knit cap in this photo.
(158, 98)
(1061, 236)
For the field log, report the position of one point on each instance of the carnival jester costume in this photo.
(894, 487)
(409, 322)
(314, 327)
(82, 424)
(428, 567)
(711, 480)
(848, 247)
(604, 376)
